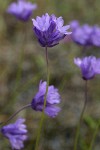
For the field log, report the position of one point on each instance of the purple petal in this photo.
(52, 111)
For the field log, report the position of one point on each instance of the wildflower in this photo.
(81, 34)
(53, 98)
(74, 24)
(96, 36)
(49, 30)
(90, 66)
(21, 10)
(16, 133)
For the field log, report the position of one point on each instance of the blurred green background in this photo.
(22, 66)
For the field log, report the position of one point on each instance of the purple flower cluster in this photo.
(85, 35)
(16, 133)
(90, 66)
(81, 34)
(53, 98)
(49, 30)
(96, 36)
(22, 9)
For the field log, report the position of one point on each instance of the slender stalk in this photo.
(94, 136)
(45, 97)
(11, 117)
(81, 117)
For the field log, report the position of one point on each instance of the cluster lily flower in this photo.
(85, 35)
(53, 98)
(90, 66)
(96, 36)
(16, 133)
(49, 30)
(81, 34)
(22, 10)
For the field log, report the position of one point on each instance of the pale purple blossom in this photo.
(53, 98)
(90, 66)
(81, 34)
(96, 36)
(74, 24)
(21, 9)
(85, 35)
(16, 133)
(49, 30)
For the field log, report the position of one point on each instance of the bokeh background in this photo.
(22, 66)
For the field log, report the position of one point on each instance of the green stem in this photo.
(45, 97)
(94, 136)
(80, 120)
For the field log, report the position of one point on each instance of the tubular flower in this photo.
(49, 30)
(53, 98)
(90, 66)
(21, 10)
(16, 133)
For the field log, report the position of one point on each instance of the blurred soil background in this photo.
(22, 66)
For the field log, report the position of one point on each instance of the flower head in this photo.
(22, 9)
(81, 34)
(74, 24)
(49, 30)
(96, 36)
(16, 133)
(53, 98)
(90, 66)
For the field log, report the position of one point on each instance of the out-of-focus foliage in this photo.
(22, 66)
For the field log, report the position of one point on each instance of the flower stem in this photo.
(45, 97)
(94, 136)
(80, 120)
(11, 117)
